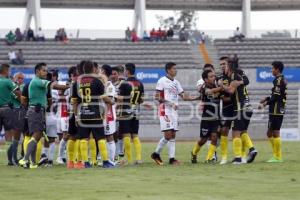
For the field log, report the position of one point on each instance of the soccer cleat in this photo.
(64, 160)
(60, 161)
(156, 157)
(251, 156)
(70, 165)
(43, 160)
(193, 158)
(49, 163)
(33, 166)
(244, 160)
(87, 165)
(22, 162)
(223, 161)
(138, 162)
(79, 165)
(173, 161)
(212, 161)
(10, 164)
(237, 161)
(107, 164)
(215, 157)
(275, 160)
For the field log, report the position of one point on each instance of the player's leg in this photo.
(212, 130)
(84, 135)
(110, 129)
(224, 142)
(99, 136)
(124, 130)
(201, 141)
(237, 129)
(61, 157)
(275, 126)
(93, 150)
(136, 141)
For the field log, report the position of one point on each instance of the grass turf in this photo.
(259, 180)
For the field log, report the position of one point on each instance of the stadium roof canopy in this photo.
(225, 5)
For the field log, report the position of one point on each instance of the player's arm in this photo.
(233, 85)
(56, 86)
(107, 100)
(187, 97)
(124, 92)
(214, 90)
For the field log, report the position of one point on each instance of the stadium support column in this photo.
(33, 9)
(140, 16)
(246, 21)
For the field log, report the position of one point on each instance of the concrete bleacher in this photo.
(114, 52)
(254, 53)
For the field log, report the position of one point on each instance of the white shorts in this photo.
(169, 121)
(51, 129)
(62, 125)
(110, 128)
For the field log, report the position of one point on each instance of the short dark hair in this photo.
(49, 76)
(208, 65)
(39, 66)
(96, 65)
(205, 74)
(169, 65)
(130, 67)
(4, 66)
(72, 71)
(224, 58)
(107, 69)
(278, 65)
(88, 67)
(54, 72)
(115, 68)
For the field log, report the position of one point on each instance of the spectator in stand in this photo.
(146, 36)
(163, 35)
(30, 35)
(183, 35)
(65, 38)
(237, 35)
(170, 34)
(12, 56)
(159, 34)
(10, 38)
(153, 35)
(127, 34)
(20, 57)
(134, 37)
(58, 35)
(19, 35)
(40, 36)
(203, 37)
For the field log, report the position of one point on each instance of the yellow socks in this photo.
(211, 151)
(237, 147)
(246, 140)
(196, 149)
(84, 150)
(127, 146)
(39, 149)
(138, 148)
(93, 150)
(277, 148)
(77, 152)
(25, 143)
(71, 150)
(224, 147)
(271, 139)
(103, 149)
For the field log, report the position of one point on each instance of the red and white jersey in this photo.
(169, 91)
(110, 90)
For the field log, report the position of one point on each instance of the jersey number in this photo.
(85, 94)
(135, 95)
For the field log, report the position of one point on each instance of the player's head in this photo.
(208, 66)
(223, 62)
(96, 68)
(41, 70)
(209, 76)
(88, 67)
(277, 68)
(54, 73)
(171, 69)
(72, 72)
(106, 70)
(4, 70)
(129, 69)
(19, 78)
(114, 74)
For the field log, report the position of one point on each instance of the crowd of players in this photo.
(97, 113)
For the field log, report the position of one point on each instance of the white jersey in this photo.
(169, 91)
(110, 116)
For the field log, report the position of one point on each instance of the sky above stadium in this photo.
(120, 19)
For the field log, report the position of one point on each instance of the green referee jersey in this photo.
(38, 89)
(7, 87)
(15, 100)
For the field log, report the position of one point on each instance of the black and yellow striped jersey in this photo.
(240, 99)
(277, 99)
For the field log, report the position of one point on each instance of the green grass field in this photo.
(255, 181)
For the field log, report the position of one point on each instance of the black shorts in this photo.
(275, 122)
(19, 121)
(36, 119)
(226, 117)
(6, 118)
(129, 126)
(242, 120)
(208, 127)
(95, 127)
(72, 130)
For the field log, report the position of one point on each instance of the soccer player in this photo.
(8, 89)
(88, 105)
(277, 105)
(167, 91)
(38, 89)
(242, 114)
(210, 96)
(110, 113)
